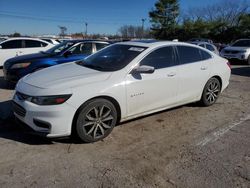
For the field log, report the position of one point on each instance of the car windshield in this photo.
(112, 58)
(60, 47)
(242, 43)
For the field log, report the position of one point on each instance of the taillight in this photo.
(229, 65)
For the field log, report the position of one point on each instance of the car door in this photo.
(9, 49)
(194, 71)
(32, 46)
(148, 92)
(75, 53)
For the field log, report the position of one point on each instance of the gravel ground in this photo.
(189, 146)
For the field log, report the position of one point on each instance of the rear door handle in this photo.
(172, 74)
(203, 68)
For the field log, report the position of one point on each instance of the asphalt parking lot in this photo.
(189, 146)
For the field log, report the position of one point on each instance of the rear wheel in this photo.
(248, 60)
(211, 92)
(96, 120)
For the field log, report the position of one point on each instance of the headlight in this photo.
(43, 100)
(243, 51)
(49, 100)
(20, 65)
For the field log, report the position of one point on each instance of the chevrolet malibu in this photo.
(121, 82)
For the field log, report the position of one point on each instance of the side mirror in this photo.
(144, 69)
(68, 53)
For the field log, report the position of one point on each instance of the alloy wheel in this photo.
(212, 91)
(98, 120)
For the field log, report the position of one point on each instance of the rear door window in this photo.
(34, 44)
(86, 48)
(100, 46)
(188, 54)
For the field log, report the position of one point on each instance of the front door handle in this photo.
(172, 74)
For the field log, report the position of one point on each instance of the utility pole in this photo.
(143, 21)
(63, 30)
(86, 29)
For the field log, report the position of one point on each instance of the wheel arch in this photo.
(109, 98)
(219, 78)
(215, 76)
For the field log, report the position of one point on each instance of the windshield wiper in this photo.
(43, 52)
(96, 67)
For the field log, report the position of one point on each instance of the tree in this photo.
(16, 34)
(227, 11)
(164, 18)
(130, 31)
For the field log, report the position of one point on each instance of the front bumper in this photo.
(11, 76)
(50, 121)
(238, 56)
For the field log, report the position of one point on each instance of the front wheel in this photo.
(211, 92)
(96, 119)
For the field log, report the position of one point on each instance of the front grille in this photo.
(231, 52)
(19, 110)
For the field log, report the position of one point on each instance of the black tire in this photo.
(211, 92)
(248, 60)
(96, 120)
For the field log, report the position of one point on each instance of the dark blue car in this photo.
(16, 68)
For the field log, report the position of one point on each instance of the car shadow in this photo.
(191, 105)
(237, 62)
(241, 71)
(6, 85)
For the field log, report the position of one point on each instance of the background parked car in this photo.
(68, 51)
(200, 40)
(52, 41)
(19, 46)
(208, 46)
(3, 38)
(240, 50)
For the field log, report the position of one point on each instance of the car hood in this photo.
(67, 75)
(32, 56)
(28, 58)
(236, 48)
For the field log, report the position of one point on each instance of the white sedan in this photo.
(13, 47)
(121, 82)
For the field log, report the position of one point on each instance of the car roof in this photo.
(87, 40)
(39, 39)
(200, 42)
(24, 38)
(153, 44)
(242, 39)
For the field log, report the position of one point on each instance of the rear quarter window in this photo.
(205, 55)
